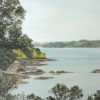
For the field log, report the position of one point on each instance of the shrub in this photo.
(6, 58)
(35, 54)
(62, 92)
(19, 54)
(7, 82)
(38, 54)
(95, 96)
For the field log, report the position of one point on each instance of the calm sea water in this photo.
(81, 61)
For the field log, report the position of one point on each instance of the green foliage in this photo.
(6, 58)
(26, 45)
(35, 54)
(75, 44)
(75, 93)
(31, 96)
(19, 54)
(21, 97)
(54, 44)
(7, 82)
(11, 37)
(11, 17)
(95, 96)
(62, 92)
(50, 98)
(38, 54)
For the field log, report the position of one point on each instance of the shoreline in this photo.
(20, 70)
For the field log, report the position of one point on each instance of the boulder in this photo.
(20, 69)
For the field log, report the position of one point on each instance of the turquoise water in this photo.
(81, 61)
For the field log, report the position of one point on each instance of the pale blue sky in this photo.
(62, 20)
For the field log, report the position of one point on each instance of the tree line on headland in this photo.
(70, 44)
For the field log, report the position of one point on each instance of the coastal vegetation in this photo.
(95, 96)
(71, 44)
(13, 43)
(36, 53)
(17, 51)
(7, 83)
(59, 91)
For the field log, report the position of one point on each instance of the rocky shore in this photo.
(20, 70)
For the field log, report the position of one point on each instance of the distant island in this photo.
(70, 44)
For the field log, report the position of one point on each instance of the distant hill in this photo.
(70, 44)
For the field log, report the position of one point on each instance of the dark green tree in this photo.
(11, 37)
(95, 96)
(26, 45)
(7, 82)
(61, 92)
(50, 98)
(6, 58)
(75, 93)
(31, 96)
(11, 17)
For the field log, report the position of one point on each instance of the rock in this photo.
(39, 71)
(44, 78)
(59, 72)
(16, 62)
(22, 82)
(20, 69)
(96, 71)
(52, 72)
(16, 67)
(36, 72)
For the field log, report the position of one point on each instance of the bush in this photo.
(7, 82)
(38, 54)
(19, 54)
(95, 96)
(35, 54)
(62, 92)
(6, 58)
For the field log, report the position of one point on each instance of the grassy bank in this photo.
(7, 57)
(36, 53)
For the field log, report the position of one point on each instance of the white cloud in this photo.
(56, 20)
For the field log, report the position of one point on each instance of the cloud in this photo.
(57, 20)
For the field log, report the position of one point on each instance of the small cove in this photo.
(81, 61)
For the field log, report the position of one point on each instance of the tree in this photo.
(31, 96)
(50, 98)
(61, 92)
(26, 45)
(6, 58)
(95, 96)
(11, 17)
(7, 82)
(75, 93)
(11, 37)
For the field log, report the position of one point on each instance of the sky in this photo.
(61, 20)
